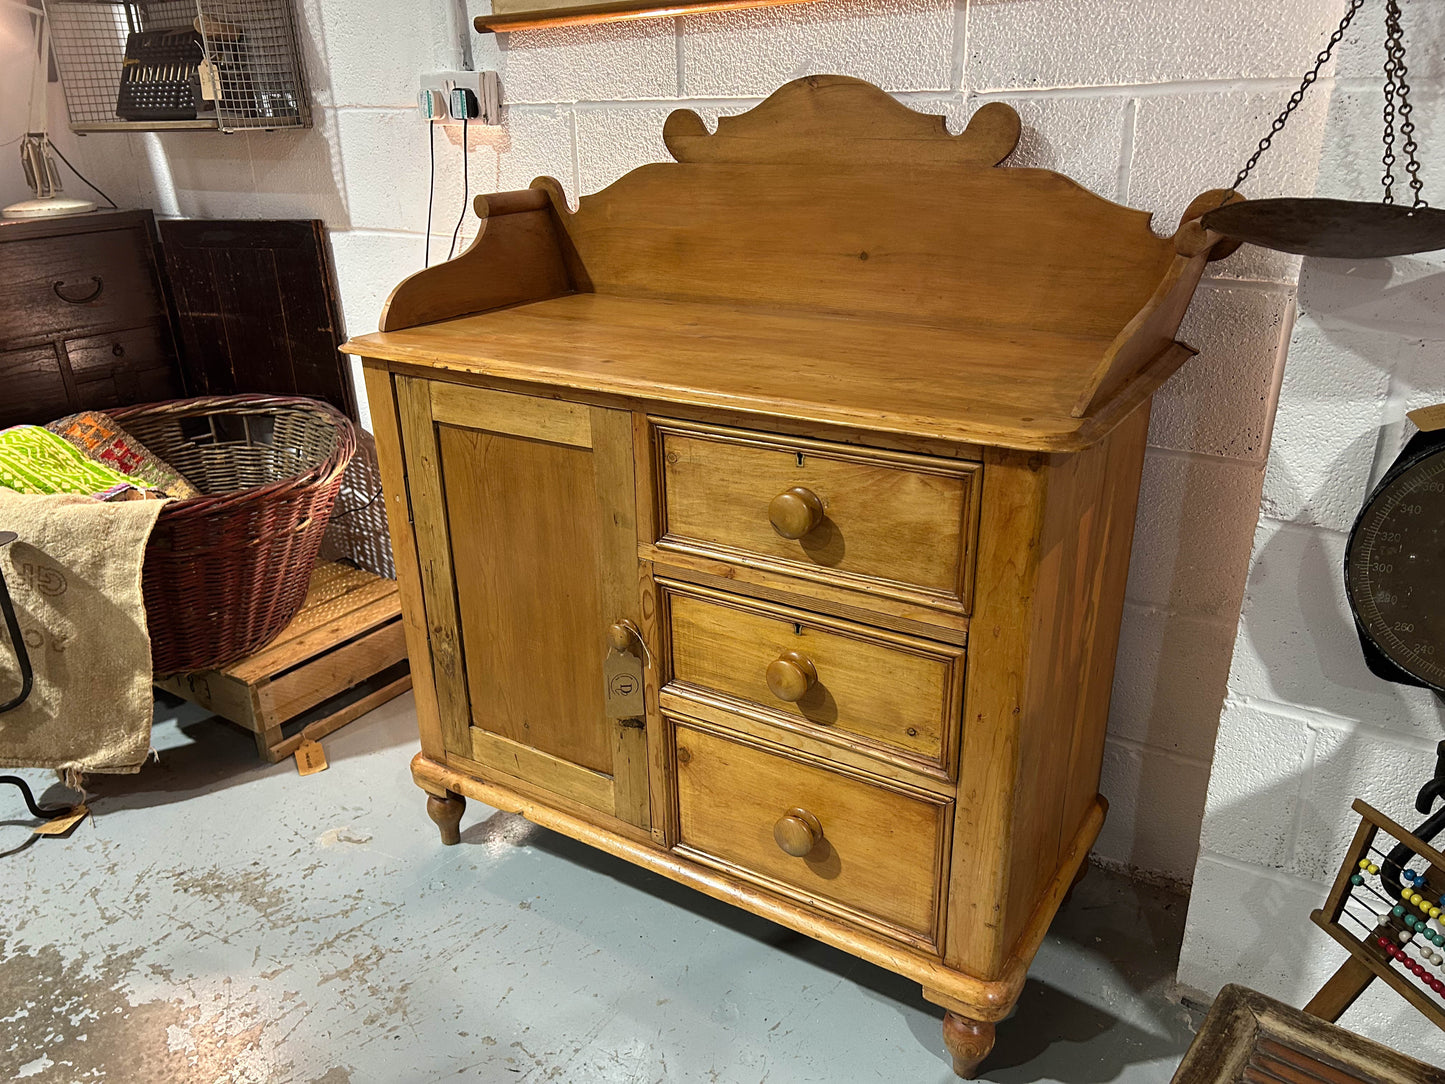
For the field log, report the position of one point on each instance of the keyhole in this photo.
(800, 459)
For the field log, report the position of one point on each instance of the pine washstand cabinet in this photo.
(764, 522)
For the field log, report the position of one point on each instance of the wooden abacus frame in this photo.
(1367, 962)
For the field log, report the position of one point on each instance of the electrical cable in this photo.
(466, 191)
(431, 184)
(81, 175)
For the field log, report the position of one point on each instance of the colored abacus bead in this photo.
(1405, 936)
(1397, 910)
(1364, 863)
(1356, 879)
(1410, 921)
(1372, 868)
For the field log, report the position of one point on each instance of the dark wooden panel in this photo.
(34, 389)
(257, 308)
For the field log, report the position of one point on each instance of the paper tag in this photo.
(1428, 418)
(210, 84)
(310, 758)
(60, 825)
(623, 674)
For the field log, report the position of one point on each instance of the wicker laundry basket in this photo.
(226, 571)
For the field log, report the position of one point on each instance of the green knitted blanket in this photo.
(35, 460)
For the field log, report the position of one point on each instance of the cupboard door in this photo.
(525, 519)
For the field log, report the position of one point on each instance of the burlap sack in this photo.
(75, 577)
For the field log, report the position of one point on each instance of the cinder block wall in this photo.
(1146, 103)
(1306, 728)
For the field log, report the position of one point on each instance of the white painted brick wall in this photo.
(1148, 103)
(1306, 727)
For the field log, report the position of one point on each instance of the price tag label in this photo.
(1428, 419)
(310, 758)
(58, 826)
(210, 82)
(623, 674)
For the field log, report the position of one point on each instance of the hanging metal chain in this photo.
(1298, 96)
(1397, 103)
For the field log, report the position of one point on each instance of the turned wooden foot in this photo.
(447, 812)
(1083, 872)
(969, 1041)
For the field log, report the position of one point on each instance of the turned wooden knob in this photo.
(795, 511)
(798, 832)
(619, 636)
(791, 675)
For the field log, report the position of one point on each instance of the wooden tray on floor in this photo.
(1248, 1038)
(347, 633)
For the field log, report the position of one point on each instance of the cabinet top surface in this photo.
(829, 256)
(1012, 388)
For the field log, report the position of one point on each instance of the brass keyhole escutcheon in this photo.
(798, 832)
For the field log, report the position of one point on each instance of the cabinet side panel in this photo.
(1121, 499)
(1084, 560)
(381, 395)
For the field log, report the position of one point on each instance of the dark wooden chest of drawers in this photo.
(83, 317)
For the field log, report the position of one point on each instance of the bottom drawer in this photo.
(861, 850)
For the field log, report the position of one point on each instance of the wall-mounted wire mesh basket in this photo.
(130, 65)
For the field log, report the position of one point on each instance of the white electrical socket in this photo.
(485, 85)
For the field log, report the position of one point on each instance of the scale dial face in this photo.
(1395, 567)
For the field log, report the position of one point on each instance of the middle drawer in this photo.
(888, 694)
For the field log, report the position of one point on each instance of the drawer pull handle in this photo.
(798, 832)
(791, 675)
(58, 283)
(795, 511)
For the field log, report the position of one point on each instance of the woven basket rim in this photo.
(321, 475)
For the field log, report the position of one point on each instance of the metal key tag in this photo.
(622, 672)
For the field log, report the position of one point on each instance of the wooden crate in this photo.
(348, 632)
(1248, 1038)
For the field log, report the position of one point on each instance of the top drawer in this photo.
(887, 523)
(72, 284)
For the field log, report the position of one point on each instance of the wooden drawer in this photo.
(887, 523)
(123, 367)
(878, 859)
(52, 286)
(885, 693)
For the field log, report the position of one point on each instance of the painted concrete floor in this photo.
(223, 920)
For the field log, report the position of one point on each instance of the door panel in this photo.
(525, 555)
(529, 553)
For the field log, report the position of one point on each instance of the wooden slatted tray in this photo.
(347, 635)
(1248, 1038)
